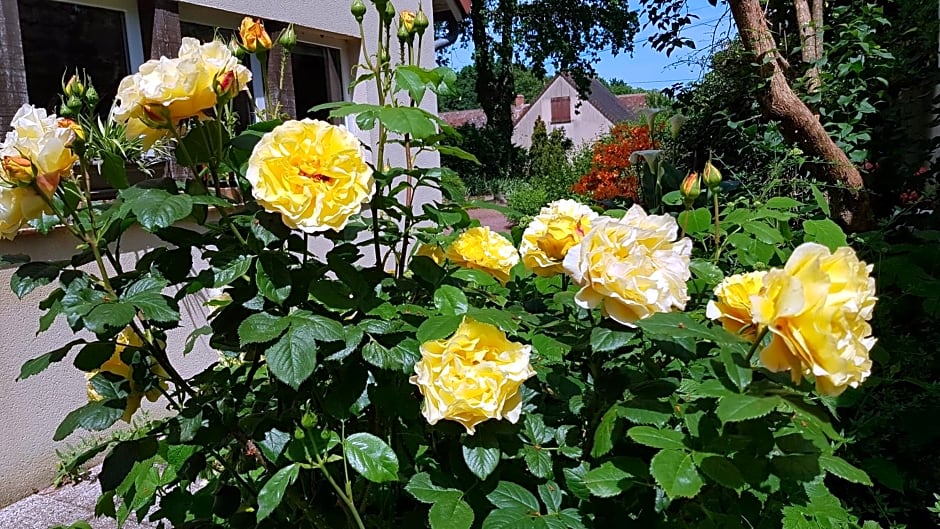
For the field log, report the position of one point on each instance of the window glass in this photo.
(60, 36)
(318, 78)
(242, 104)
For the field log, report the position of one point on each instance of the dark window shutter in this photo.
(561, 109)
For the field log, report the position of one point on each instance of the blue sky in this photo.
(645, 67)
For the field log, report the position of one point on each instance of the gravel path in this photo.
(491, 218)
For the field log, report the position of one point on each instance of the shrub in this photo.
(612, 175)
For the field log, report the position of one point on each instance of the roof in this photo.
(633, 102)
(458, 9)
(457, 118)
(600, 97)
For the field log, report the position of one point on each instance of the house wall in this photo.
(587, 123)
(31, 410)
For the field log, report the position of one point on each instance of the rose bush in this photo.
(384, 364)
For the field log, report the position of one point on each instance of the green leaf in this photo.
(147, 295)
(419, 123)
(845, 470)
(156, 208)
(675, 472)
(450, 300)
(272, 493)
(230, 270)
(514, 518)
(438, 328)
(324, 329)
(825, 232)
(720, 469)
(411, 79)
(538, 461)
(293, 358)
(475, 276)
(656, 437)
(604, 434)
(644, 411)
(695, 221)
(603, 339)
(607, 480)
(423, 490)
(273, 277)
(481, 456)
(735, 408)
(109, 316)
(39, 364)
(451, 512)
(508, 495)
(763, 232)
(551, 496)
(93, 355)
(549, 350)
(574, 478)
(783, 203)
(261, 327)
(13, 260)
(113, 170)
(736, 366)
(33, 275)
(821, 200)
(94, 416)
(371, 457)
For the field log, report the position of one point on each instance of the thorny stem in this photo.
(717, 228)
(346, 499)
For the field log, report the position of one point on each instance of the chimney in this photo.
(520, 100)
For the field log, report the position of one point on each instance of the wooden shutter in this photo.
(561, 109)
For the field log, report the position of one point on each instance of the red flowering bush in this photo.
(612, 175)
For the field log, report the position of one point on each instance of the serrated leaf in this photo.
(825, 232)
(508, 495)
(451, 512)
(156, 208)
(273, 277)
(230, 270)
(645, 411)
(423, 490)
(261, 327)
(31, 276)
(438, 328)
(93, 355)
(763, 233)
(675, 472)
(604, 433)
(293, 358)
(94, 416)
(450, 300)
(538, 461)
(371, 457)
(656, 437)
(574, 478)
(549, 350)
(418, 123)
(603, 339)
(721, 469)
(39, 364)
(147, 295)
(272, 493)
(607, 480)
(551, 496)
(821, 200)
(695, 221)
(736, 366)
(514, 518)
(481, 456)
(840, 467)
(105, 316)
(324, 329)
(736, 408)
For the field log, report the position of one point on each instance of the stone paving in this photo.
(65, 505)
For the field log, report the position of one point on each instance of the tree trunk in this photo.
(495, 80)
(850, 201)
(13, 92)
(810, 23)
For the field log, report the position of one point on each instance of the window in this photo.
(242, 103)
(101, 38)
(561, 109)
(317, 78)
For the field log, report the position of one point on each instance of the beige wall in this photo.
(31, 410)
(587, 124)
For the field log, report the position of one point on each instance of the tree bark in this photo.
(849, 200)
(13, 93)
(810, 22)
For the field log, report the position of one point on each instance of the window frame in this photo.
(132, 32)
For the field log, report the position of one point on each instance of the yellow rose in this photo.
(555, 230)
(485, 250)
(254, 37)
(18, 205)
(733, 306)
(473, 376)
(817, 309)
(432, 251)
(407, 20)
(116, 365)
(312, 173)
(631, 267)
(38, 138)
(166, 91)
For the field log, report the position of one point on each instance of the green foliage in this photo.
(464, 94)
